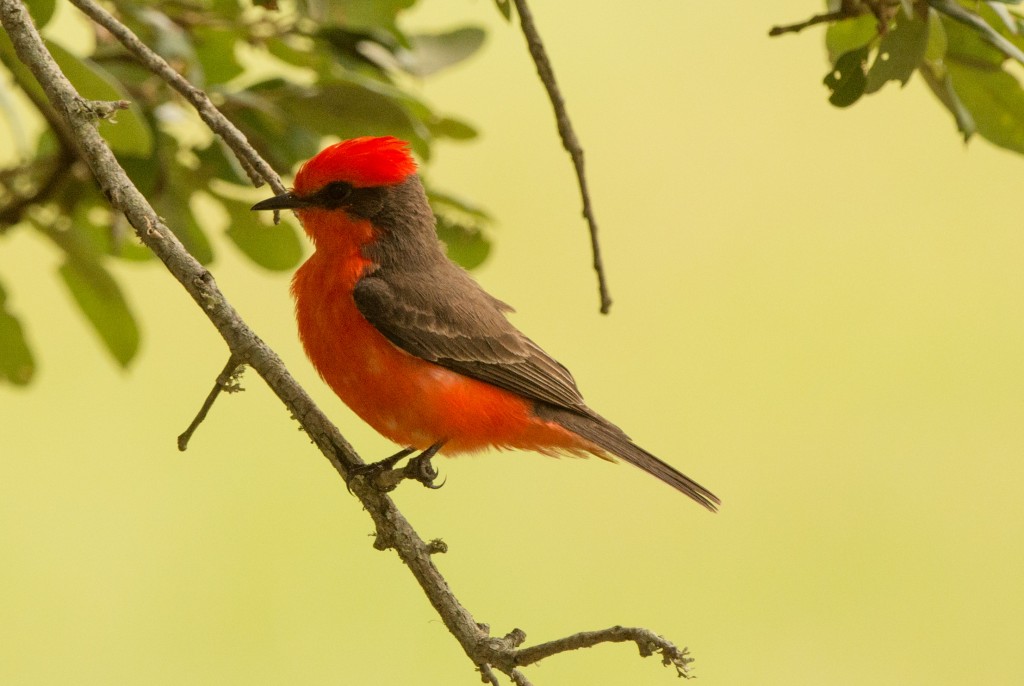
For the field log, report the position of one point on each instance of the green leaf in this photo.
(95, 228)
(965, 44)
(995, 100)
(101, 301)
(215, 49)
(127, 133)
(446, 127)
(41, 11)
(1008, 24)
(349, 49)
(505, 7)
(938, 80)
(282, 138)
(112, 236)
(165, 36)
(272, 247)
(229, 9)
(974, 66)
(174, 207)
(16, 363)
(348, 110)
(430, 53)
(145, 172)
(369, 15)
(445, 203)
(217, 162)
(984, 30)
(899, 52)
(1004, 15)
(937, 41)
(466, 244)
(847, 79)
(295, 54)
(13, 114)
(22, 76)
(460, 226)
(844, 36)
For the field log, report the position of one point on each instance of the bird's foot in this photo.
(372, 471)
(385, 477)
(422, 469)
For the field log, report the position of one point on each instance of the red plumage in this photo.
(361, 162)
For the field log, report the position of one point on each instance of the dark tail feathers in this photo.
(611, 439)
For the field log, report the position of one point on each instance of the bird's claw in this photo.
(422, 469)
(385, 477)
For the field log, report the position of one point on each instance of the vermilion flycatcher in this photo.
(410, 342)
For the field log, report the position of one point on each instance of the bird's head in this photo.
(351, 176)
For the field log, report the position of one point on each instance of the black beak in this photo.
(285, 201)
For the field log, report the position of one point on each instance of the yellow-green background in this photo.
(818, 315)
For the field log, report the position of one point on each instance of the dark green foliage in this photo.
(460, 226)
(16, 363)
(847, 79)
(961, 49)
(101, 301)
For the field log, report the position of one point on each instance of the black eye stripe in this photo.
(363, 202)
(334, 194)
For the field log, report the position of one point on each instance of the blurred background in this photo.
(817, 314)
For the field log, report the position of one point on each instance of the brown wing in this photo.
(443, 316)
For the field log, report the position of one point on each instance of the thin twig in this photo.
(487, 675)
(848, 9)
(255, 166)
(518, 678)
(569, 140)
(227, 380)
(801, 25)
(646, 640)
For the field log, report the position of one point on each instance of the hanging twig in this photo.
(569, 140)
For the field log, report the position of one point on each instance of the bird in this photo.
(410, 341)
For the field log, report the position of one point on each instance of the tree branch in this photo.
(227, 380)
(569, 140)
(393, 530)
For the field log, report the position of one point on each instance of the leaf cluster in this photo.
(288, 76)
(966, 51)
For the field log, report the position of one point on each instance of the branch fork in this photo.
(102, 109)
